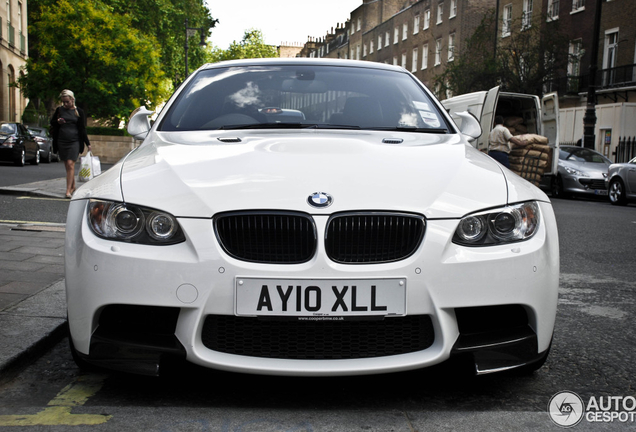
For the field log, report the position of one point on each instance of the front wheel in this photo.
(557, 188)
(616, 192)
(36, 159)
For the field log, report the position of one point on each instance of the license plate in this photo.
(320, 297)
(600, 192)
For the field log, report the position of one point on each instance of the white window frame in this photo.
(424, 56)
(578, 6)
(451, 47)
(506, 20)
(440, 13)
(553, 10)
(414, 61)
(416, 24)
(364, 50)
(438, 52)
(358, 52)
(574, 60)
(427, 19)
(396, 35)
(371, 46)
(379, 42)
(387, 39)
(405, 30)
(453, 9)
(404, 60)
(359, 23)
(526, 17)
(395, 63)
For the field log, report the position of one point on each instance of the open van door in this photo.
(550, 127)
(482, 105)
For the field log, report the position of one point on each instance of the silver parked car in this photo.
(582, 171)
(621, 182)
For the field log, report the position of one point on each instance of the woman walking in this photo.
(68, 128)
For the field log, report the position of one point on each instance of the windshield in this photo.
(579, 154)
(303, 96)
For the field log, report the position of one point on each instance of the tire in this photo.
(21, 160)
(616, 192)
(557, 188)
(36, 159)
(48, 157)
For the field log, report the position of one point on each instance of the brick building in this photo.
(13, 55)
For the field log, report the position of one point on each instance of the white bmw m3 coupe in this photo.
(309, 217)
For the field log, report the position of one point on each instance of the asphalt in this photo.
(32, 292)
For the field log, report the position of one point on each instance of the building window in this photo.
(405, 31)
(574, 64)
(396, 34)
(359, 24)
(387, 39)
(578, 5)
(440, 12)
(395, 61)
(364, 50)
(416, 24)
(506, 20)
(371, 46)
(379, 42)
(526, 18)
(553, 9)
(438, 52)
(427, 18)
(425, 56)
(453, 9)
(357, 52)
(414, 61)
(404, 60)
(451, 47)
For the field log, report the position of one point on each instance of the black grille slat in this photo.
(366, 238)
(286, 238)
(317, 340)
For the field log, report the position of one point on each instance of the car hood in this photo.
(199, 174)
(594, 169)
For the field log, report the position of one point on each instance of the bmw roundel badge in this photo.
(320, 199)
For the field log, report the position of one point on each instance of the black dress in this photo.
(70, 137)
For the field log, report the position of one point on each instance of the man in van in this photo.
(500, 142)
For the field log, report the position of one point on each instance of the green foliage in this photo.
(523, 62)
(115, 55)
(252, 46)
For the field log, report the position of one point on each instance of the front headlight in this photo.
(576, 172)
(510, 224)
(133, 224)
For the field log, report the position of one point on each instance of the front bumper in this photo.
(585, 185)
(163, 298)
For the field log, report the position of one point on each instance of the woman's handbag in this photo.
(90, 167)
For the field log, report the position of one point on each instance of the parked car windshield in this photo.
(8, 128)
(298, 96)
(579, 154)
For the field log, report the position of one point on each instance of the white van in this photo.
(540, 116)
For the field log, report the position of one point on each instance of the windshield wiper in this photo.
(411, 129)
(269, 126)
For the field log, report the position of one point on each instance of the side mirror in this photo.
(470, 125)
(139, 123)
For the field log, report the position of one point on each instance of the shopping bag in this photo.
(90, 167)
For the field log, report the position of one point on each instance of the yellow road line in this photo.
(41, 198)
(59, 408)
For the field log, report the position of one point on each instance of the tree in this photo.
(252, 46)
(523, 62)
(84, 47)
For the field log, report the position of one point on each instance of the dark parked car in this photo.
(17, 144)
(45, 142)
(621, 182)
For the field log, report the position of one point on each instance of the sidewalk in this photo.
(32, 297)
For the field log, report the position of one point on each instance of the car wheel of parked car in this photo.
(36, 159)
(557, 188)
(617, 192)
(48, 157)
(21, 159)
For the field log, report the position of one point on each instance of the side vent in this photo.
(392, 141)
